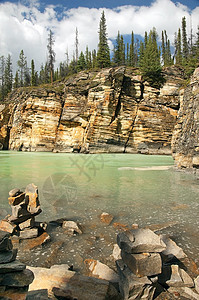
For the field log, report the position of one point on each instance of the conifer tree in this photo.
(33, 73)
(16, 80)
(8, 75)
(2, 77)
(178, 48)
(22, 64)
(132, 51)
(103, 54)
(185, 48)
(51, 54)
(81, 63)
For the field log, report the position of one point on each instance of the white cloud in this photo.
(24, 26)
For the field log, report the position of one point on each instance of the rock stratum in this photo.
(110, 110)
(185, 141)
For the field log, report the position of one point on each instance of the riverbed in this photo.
(135, 189)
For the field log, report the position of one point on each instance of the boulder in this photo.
(100, 270)
(140, 240)
(132, 287)
(179, 278)
(78, 286)
(41, 294)
(17, 278)
(106, 218)
(71, 227)
(172, 250)
(6, 244)
(143, 264)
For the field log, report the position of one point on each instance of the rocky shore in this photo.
(144, 265)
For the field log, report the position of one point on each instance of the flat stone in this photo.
(31, 192)
(80, 286)
(8, 256)
(71, 227)
(13, 266)
(130, 285)
(7, 226)
(41, 294)
(196, 281)
(14, 192)
(20, 214)
(120, 226)
(6, 244)
(16, 200)
(140, 241)
(17, 279)
(187, 280)
(28, 233)
(143, 264)
(14, 293)
(106, 218)
(172, 250)
(100, 270)
(33, 243)
(27, 224)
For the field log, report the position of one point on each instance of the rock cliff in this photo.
(185, 141)
(107, 111)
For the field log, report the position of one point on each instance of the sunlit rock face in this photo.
(111, 110)
(185, 141)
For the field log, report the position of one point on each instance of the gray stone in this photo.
(6, 244)
(175, 279)
(3, 234)
(172, 250)
(116, 252)
(8, 256)
(28, 233)
(143, 264)
(13, 266)
(140, 240)
(130, 285)
(187, 280)
(17, 279)
(14, 192)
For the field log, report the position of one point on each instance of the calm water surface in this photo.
(133, 188)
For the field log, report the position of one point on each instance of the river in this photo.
(133, 188)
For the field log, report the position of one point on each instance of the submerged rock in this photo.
(71, 227)
(106, 218)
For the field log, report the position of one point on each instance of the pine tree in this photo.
(185, 47)
(81, 63)
(2, 77)
(51, 55)
(150, 61)
(22, 64)
(132, 51)
(33, 73)
(103, 54)
(178, 48)
(8, 75)
(166, 50)
(94, 59)
(16, 80)
(76, 45)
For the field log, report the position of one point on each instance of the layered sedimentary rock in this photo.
(107, 111)
(185, 141)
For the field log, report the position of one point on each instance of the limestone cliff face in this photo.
(106, 111)
(185, 141)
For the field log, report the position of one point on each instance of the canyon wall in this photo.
(185, 141)
(107, 111)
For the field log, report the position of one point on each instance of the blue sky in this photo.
(25, 24)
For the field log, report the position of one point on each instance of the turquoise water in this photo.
(133, 188)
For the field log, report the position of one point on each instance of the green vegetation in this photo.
(144, 54)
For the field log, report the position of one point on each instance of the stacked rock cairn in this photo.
(14, 277)
(142, 270)
(25, 206)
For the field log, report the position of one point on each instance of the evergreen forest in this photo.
(146, 54)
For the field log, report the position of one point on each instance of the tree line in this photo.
(144, 54)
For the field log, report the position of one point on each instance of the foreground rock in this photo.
(14, 277)
(58, 280)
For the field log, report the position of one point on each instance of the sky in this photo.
(25, 24)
